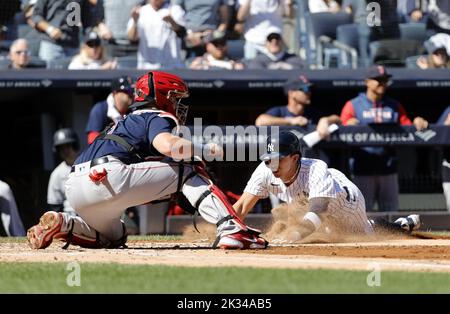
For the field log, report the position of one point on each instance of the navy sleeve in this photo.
(444, 116)
(312, 114)
(97, 119)
(159, 125)
(39, 11)
(275, 111)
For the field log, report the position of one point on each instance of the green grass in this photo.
(116, 278)
(156, 237)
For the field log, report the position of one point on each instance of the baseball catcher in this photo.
(132, 163)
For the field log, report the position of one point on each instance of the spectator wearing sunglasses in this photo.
(19, 55)
(275, 56)
(91, 56)
(112, 109)
(216, 56)
(374, 169)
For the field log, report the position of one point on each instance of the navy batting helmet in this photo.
(65, 136)
(281, 145)
(123, 84)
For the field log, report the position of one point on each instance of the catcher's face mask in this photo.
(181, 110)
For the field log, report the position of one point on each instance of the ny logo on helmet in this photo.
(270, 148)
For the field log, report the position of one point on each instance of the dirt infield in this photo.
(403, 254)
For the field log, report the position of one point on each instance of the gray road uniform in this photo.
(106, 178)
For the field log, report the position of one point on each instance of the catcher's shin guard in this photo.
(91, 239)
(215, 208)
(73, 230)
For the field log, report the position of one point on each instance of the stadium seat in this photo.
(33, 46)
(236, 49)
(59, 64)
(4, 63)
(37, 62)
(347, 35)
(32, 36)
(4, 46)
(322, 29)
(393, 52)
(414, 31)
(127, 62)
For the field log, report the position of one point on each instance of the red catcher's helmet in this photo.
(163, 91)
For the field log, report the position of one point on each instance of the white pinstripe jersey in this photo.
(315, 179)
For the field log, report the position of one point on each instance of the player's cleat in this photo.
(41, 235)
(242, 240)
(410, 223)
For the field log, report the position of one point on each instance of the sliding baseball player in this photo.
(288, 176)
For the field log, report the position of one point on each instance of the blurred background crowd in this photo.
(223, 34)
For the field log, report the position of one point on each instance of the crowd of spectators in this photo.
(171, 34)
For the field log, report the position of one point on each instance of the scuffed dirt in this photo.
(405, 255)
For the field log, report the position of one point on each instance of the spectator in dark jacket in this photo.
(58, 21)
(276, 57)
(372, 27)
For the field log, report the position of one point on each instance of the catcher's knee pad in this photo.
(119, 243)
(212, 205)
